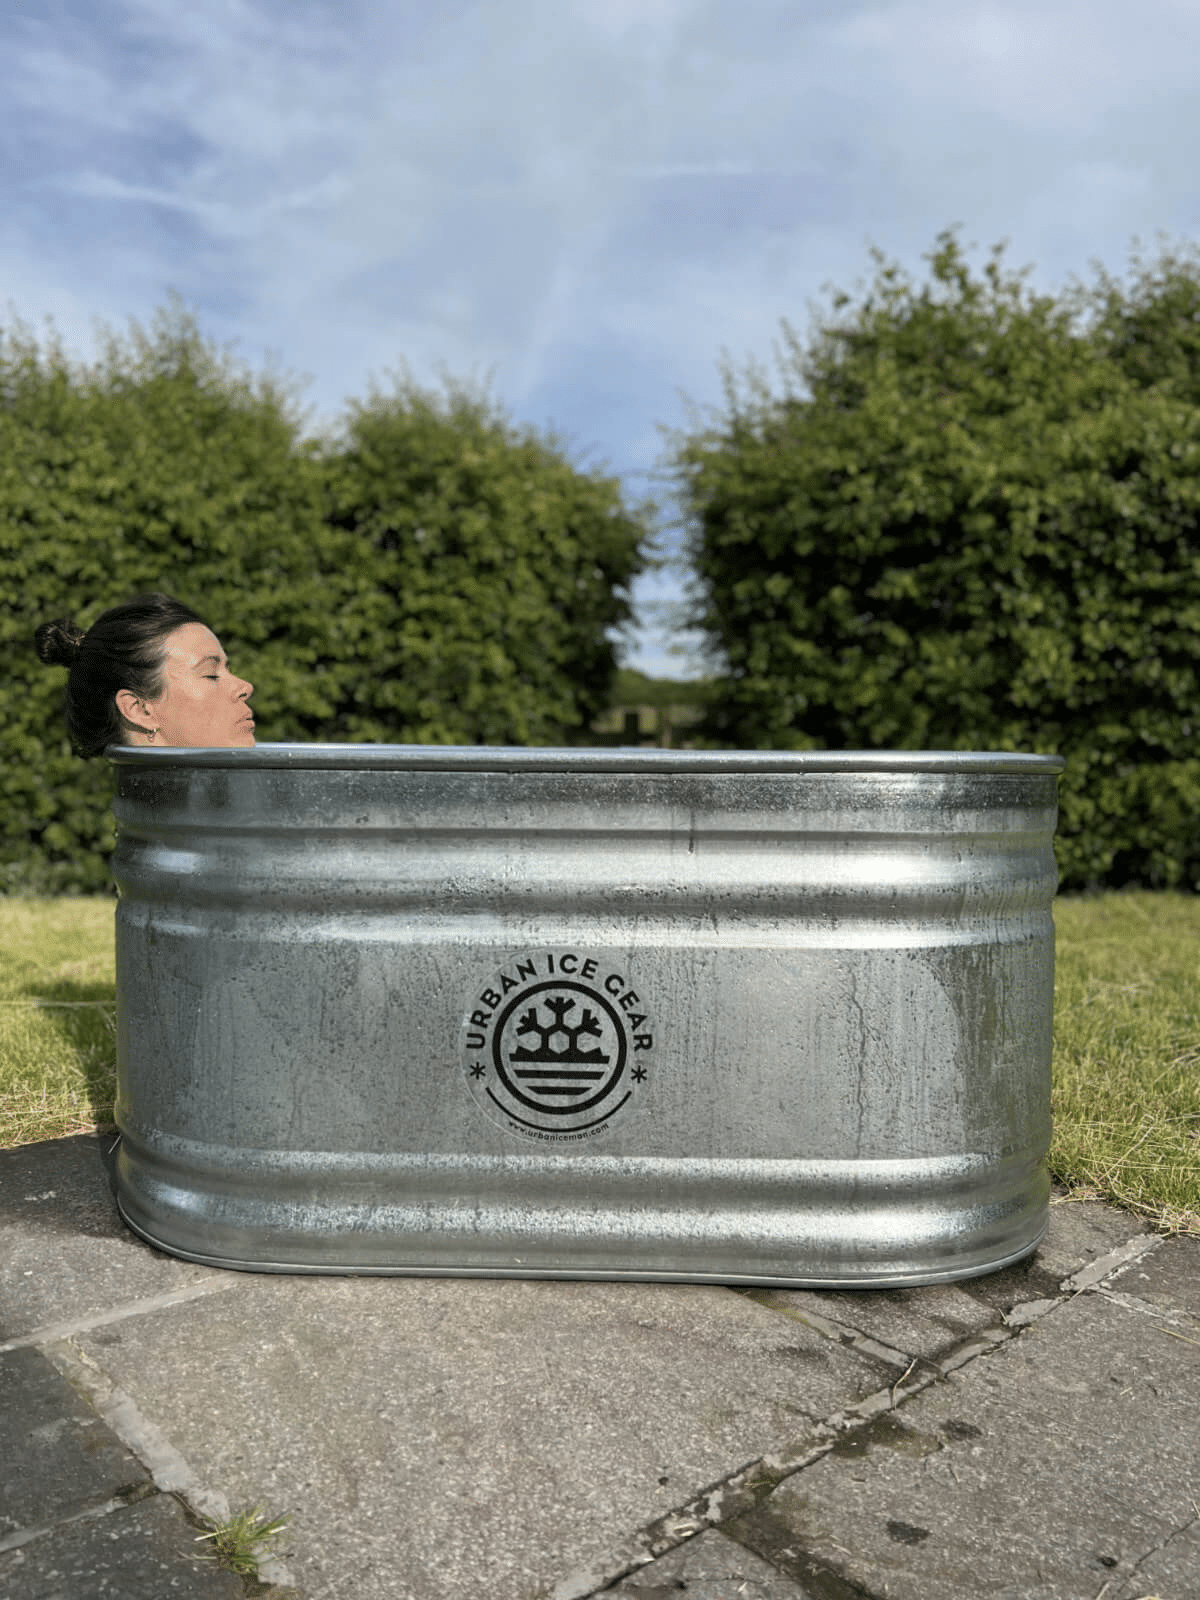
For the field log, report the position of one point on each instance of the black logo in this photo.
(556, 1045)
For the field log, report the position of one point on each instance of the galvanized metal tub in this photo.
(750, 1018)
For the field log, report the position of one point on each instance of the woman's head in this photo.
(147, 672)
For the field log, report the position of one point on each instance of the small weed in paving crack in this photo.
(242, 1542)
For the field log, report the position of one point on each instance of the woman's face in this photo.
(201, 703)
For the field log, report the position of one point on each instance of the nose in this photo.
(244, 690)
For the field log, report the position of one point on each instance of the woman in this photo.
(147, 672)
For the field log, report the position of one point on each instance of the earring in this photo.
(151, 733)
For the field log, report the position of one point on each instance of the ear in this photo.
(135, 712)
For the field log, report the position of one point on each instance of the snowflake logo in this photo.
(559, 1040)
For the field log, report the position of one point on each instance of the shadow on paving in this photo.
(79, 1515)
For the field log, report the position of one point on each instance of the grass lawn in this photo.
(57, 1017)
(1126, 1092)
(1126, 1059)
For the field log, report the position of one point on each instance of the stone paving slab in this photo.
(1079, 1232)
(922, 1321)
(80, 1518)
(914, 1322)
(65, 1254)
(141, 1552)
(56, 1456)
(711, 1567)
(441, 1437)
(1063, 1461)
(1172, 1573)
(1166, 1279)
(930, 1321)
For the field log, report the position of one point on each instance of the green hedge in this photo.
(428, 573)
(494, 577)
(971, 520)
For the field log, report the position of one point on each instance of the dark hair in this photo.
(123, 649)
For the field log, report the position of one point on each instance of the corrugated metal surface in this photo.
(649, 1014)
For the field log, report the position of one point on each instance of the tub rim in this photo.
(584, 759)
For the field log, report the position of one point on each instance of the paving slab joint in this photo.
(56, 1333)
(117, 1502)
(732, 1499)
(849, 1337)
(918, 1376)
(947, 1359)
(1131, 1570)
(1107, 1265)
(1178, 1320)
(819, 1579)
(1095, 1277)
(721, 1502)
(1026, 1312)
(735, 1497)
(169, 1471)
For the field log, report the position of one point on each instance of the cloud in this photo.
(590, 198)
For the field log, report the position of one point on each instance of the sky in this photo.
(586, 203)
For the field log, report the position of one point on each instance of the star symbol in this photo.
(478, 1069)
(639, 1074)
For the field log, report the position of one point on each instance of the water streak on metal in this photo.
(727, 1016)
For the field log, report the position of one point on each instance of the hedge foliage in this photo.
(427, 573)
(497, 572)
(970, 519)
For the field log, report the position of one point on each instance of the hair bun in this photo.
(58, 642)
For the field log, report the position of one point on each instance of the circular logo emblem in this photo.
(557, 1044)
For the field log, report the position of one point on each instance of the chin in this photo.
(243, 739)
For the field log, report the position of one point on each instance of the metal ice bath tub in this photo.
(751, 1018)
